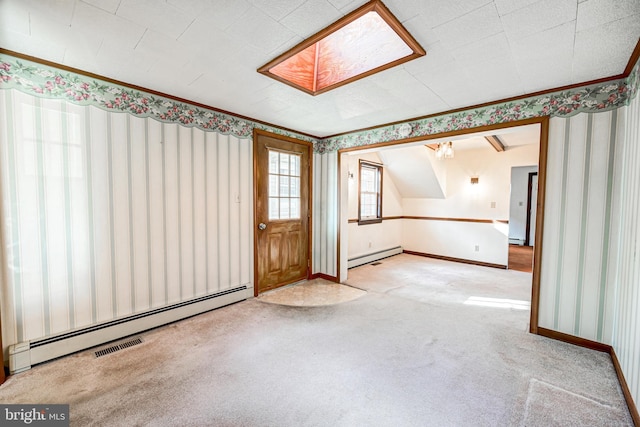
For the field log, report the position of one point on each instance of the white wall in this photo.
(457, 240)
(464, 200)
(370, 238)
(518, 202)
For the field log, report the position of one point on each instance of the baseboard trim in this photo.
(324, 276)
(452, 259)
(605, 348)
(437, 218)
(373, 256)
(572, 339)
(633, 409)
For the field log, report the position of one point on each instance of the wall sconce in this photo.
(475, 180)
(350, 175)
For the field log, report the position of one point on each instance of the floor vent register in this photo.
(118, 347)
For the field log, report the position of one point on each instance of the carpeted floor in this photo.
(431, 343)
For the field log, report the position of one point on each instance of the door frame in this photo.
(309, 146)
(527, 231)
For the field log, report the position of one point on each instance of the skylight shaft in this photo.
(367, 41)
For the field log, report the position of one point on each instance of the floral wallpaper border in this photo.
(593, 98)
(48, 82)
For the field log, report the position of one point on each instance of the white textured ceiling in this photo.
(510, 137)
(208, 51)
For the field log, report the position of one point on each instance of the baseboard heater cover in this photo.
(23, 356)
(374, 256)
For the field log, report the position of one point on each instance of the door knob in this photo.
(262, 226)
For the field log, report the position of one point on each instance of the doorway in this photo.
(541, 141)
(532, 206)
(522, 217)
(282, 197)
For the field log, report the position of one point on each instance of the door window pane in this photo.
(274, 159)
(295, 187)
(274, 185)
(284, 185)
(284, 164)
(274, 207)
(284, 208)
(295, 207)
(295, 165)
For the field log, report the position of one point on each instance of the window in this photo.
(284, 185)
(370, 193)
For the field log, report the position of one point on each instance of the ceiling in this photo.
(208, 51)
(509, 137)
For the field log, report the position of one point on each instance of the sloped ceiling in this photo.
(208, 51)
(416, 172)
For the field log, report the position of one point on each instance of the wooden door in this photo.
(282, 171)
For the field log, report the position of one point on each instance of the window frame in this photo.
(269, 197)
(379, 173)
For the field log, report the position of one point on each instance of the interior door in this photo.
(281, 202)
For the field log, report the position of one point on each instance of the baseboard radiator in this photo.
(516, 241)
(374, 256)
(23, 356)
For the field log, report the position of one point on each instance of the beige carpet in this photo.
(409, 352)
(544, 399)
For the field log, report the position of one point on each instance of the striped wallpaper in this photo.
(107, 215)
(325, 213)
(626, 330)
(590, 269)
(576, 291)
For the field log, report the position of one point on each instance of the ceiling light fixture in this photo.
(366, 41)
(445, 150)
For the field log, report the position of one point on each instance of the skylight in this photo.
(366, 41)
